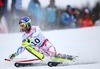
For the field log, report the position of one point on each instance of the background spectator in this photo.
(3, 10)
(75, 13)
(3, 25)
(37, 13)
(51, 15)
(3, 7)
(34, 8)
(85, 20)
(67, 17)
(97, 22)
(15, 14)
(16, 7)
(5, 2)
(13, 5)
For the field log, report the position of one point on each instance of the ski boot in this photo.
(64, 56)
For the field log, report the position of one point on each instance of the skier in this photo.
(35, 42)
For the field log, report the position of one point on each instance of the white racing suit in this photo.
(38, 43)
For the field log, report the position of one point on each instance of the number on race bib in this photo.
(36, 41)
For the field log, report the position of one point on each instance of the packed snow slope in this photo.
(83, 42)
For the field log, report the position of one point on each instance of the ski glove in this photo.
(26, 42)
(13, 55)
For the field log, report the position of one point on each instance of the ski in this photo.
(73, 60)
(25, 64)
(50, 64)
(28, 64)
(17, 64)
(21, 60)
(55, 64)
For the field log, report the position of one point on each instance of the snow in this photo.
(84, 42)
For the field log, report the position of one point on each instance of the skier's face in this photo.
(23, 27)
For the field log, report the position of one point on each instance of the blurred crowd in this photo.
(48, 18)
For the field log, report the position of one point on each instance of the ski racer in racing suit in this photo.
(34, 41)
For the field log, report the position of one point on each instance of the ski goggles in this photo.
(23, 24)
